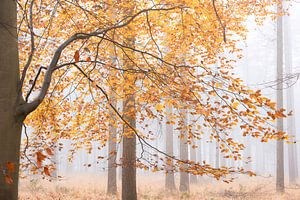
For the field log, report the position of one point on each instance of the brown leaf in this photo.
(76, 56)
(49, 151)
(40, 157)
(46, 171)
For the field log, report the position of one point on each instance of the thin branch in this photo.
(220, 21)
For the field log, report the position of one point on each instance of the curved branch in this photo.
(220, 21)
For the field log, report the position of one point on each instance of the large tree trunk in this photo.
(280, 148)
(10, 125)
(112, 149)
(184, 154)
(170, 180)
(129, 152)
(291, 127)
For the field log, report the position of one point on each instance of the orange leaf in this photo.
(46, 171)
(10, 167)
(49, 152)
(40, 157)
(8, 179)
(88, 59)
(76, 56)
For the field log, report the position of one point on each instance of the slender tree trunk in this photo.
(193, 157)
(280, 148)
(120, 153)
(129, 138)
(170, 180)
(248, 150)
(112, 149)
(211, 154)
(184, 154)
(199, 154)
(291, 127)
(259, 158)
(247, 155)
(55, 158)
(223, 162)
(217, 155)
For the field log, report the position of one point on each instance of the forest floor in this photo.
(92, 187)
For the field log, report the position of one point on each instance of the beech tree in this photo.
(66, 46)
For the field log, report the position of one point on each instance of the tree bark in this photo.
(112, 149)
(184, 154)
(10, 124)
(170, 180)
(280, 148)
(129, 138)
(129, 152)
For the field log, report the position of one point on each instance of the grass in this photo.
(92, 187)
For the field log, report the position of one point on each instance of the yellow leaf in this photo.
(159, 107)
(235, 105)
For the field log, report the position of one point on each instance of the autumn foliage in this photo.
(183, 55)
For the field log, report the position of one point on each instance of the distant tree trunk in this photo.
(217, 154)
(55, 158)
(10, 124)
(211, 154)
(223, 160)
(260, 158)
(280, 148)
(112, 148)
(120, 153)
(193, 157)
(184, 153)
(291, 127)
(199, 154)
(247, 155)
(129, 138)
(170, 180)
